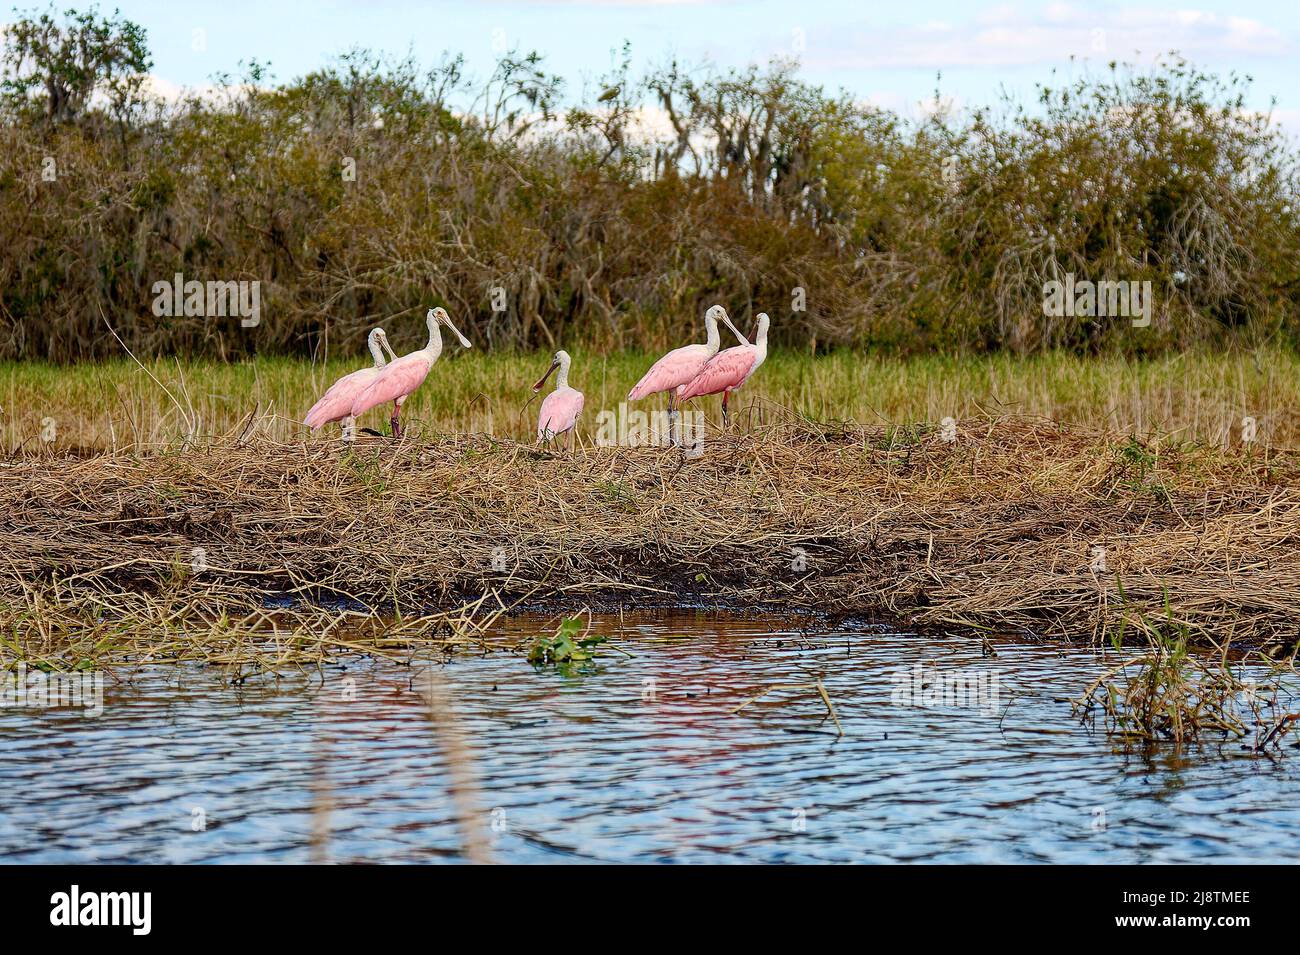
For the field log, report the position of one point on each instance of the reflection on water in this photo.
(640, 760)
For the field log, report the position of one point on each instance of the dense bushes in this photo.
(619, 220)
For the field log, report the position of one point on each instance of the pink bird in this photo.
(336, 403)
(729, 369)
(562, 406)
(680, 365)
(396, 382)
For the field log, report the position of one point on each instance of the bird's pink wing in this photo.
(676, 368)
(336, 403)
(396, 381)
(726, 369)
(559, 412)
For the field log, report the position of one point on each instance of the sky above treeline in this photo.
(888, 54)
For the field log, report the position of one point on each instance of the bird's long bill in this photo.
(542, 380)
(465, 342)
(726, 320)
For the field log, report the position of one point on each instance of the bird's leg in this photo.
(394, 420)
(672, 418)
(725, 395)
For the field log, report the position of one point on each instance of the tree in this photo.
(53, 67)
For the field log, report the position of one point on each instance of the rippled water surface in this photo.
(639, 760)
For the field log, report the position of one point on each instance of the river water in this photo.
(637, 757)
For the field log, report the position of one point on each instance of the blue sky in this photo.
(887, 53)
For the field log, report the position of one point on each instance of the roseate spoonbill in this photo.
(396, 382)
(680, 365)
(729, 369)
(562, 406)
(336, 403)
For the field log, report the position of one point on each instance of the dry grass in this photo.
(997, 530)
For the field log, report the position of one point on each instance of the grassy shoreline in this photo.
(995, 532)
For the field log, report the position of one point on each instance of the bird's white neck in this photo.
(434, 348)
(562, 374)
(712, 339)
(760, 344)
(377, 353)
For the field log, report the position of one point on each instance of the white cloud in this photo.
(1288, 120)
(173, 93)
(617, 3)
(910, 107)
(1005, 36)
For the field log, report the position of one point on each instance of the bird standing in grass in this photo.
(336, 403)
(729, 369)
(396, 382)
(561, 407)
(681, 365)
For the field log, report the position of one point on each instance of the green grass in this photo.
(1202, 395)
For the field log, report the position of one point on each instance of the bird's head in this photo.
(717, 313)
(377, 341)
(438, 315)
(561, 360)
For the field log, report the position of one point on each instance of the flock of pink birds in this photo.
(684, 373)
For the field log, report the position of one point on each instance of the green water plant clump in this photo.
(568, 649)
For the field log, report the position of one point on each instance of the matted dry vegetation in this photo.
(996, 530)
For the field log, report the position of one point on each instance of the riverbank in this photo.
(1016, 524)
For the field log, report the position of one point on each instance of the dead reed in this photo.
(1169, 694)
(1017, 524)
(60, 627)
